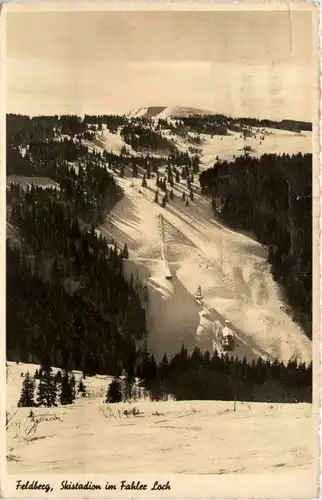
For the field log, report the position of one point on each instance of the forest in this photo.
(271, 198)
(183, 377)
(69, 302)
(197, 375)
(143, 138)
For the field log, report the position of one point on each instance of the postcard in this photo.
(161, 250)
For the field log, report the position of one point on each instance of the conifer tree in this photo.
(73, 386)
(47, 390)
(171, 194)
(66, 393)
(145, 296)
(27, 392)
(187, 202)
(144, 183)
(156, 197)
(114, 392)
(122, 171)
(183, 197)
(134, 170)
(82, 388)
(191, 195)
(125, 252)
(177, 176)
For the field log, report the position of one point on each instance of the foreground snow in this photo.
(191, 437)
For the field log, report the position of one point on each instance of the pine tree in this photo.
(191, 195)
(164, 201)
(187, 202)
(199, 295)
(47, 390)
(183, 197)
(82, 388)
(156, 197)
(145, 296)
(73, 386)
(122, 171)
(114, 392)
(171, 194)
(144, 183)
(125, 252)
(27, 392)
(134, 170)
(66, 393)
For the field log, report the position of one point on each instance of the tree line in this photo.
(197, 375)
(51, 389)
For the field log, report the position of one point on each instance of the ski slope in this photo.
(231, 267)
(165, 437)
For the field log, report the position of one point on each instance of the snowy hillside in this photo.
(163, 437)
(231, 267)
(167, 112)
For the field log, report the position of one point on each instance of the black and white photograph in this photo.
(161, 216)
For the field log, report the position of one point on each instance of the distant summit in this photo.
(168, 112)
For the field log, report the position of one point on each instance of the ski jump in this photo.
(167, 272)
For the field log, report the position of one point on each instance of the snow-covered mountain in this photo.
(167, 112)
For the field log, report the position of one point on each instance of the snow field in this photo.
(165, 437)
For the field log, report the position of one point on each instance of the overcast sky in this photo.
(239, 63)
